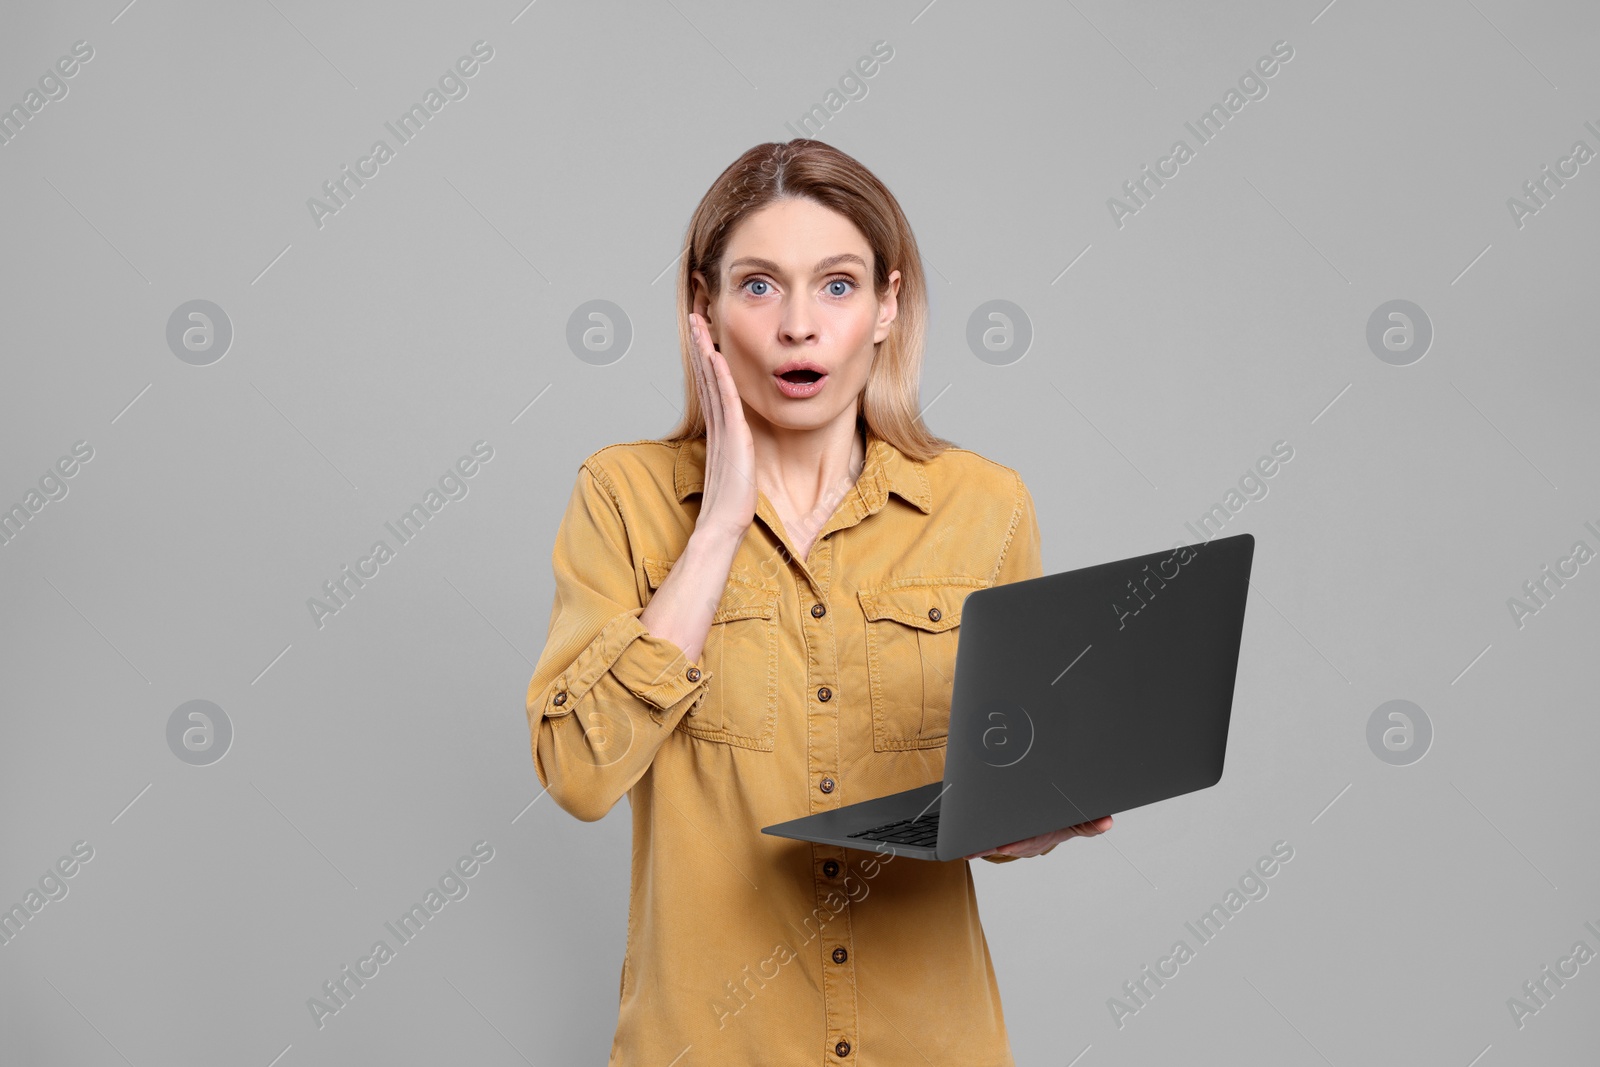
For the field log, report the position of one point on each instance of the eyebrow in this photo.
(822, 265)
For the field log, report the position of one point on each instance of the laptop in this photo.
(1076, 695)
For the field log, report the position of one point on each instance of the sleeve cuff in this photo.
(652, 668)
(655, 669)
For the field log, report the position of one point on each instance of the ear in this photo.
(700, 300)
(888, 308)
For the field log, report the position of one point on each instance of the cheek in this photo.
(747, 380)
(855, 336)
(741, 324)
(864, 326)
(738, 338)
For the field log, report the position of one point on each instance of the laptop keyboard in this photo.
(923, 831)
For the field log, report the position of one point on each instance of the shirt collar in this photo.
(886, 470)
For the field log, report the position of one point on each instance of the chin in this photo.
(796, 420)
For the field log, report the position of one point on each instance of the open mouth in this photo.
(800, 377)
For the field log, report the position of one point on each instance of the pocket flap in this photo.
(655, 571)
(742, 601)
(932, 604)
(741, 597)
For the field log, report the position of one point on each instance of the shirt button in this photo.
(826, 785)
(935, 614)
(840, 955)
(842, 1048)
(561, 698)
(830, 868)
(818, 611)
(693, 674)
(824, 694)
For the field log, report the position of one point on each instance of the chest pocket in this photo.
(740, 707)
(913, 625)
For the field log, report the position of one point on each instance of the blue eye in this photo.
(836, 281)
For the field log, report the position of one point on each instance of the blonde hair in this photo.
(815, 171)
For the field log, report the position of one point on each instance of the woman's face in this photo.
(796, 287)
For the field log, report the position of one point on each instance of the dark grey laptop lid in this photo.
(1093, 691)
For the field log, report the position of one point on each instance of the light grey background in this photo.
(432, 311)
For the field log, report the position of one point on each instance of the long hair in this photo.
(812, 170)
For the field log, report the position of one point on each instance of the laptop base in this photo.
(836, 827)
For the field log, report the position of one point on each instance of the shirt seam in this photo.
(669, 445)
(599, 474)
(1016, 518)
(602, 476)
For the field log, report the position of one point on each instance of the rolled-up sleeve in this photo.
(1021, 560)
(606, 693)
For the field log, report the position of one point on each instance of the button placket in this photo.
(823, 740)
(838, 982)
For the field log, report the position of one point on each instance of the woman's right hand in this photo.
(728, 498)
(682, 609)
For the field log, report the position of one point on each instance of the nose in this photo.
(798, 323)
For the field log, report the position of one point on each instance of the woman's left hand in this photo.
(1041, 843)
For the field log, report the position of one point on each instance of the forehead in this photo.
(796, 235)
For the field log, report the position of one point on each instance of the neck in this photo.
(809, 471)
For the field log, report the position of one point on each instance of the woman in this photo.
(756, 619)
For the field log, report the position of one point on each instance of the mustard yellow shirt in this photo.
(823, 682)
